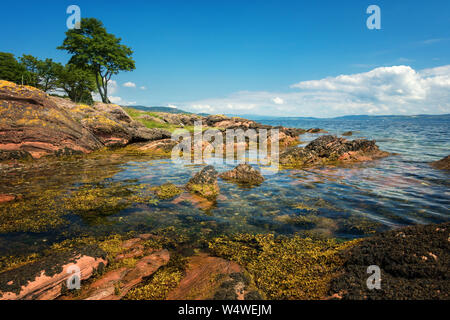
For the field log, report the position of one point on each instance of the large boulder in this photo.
(204, 183)
(326, 149)
(443, 164)
(31, 121)
(243, 174)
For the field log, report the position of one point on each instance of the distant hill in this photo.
(159, 109)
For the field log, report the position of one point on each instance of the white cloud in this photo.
(384, 90)
(129, 84)
(143, 88)
(278, 100)
(115, 100)
(172, 106)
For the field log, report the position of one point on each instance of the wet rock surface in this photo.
(330, 148)
(414, 263)
(46, 278)
(443, 164)
(243, 174)
(210, 277)
(204, 183)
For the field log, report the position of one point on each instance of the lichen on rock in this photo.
(243, 174)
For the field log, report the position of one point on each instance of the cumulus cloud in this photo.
(129, 84)
(384, 90)
(172, 106)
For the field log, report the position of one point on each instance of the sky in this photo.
(279, 58)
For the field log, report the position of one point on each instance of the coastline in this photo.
(37, 128)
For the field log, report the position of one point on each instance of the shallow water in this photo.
(345, 202)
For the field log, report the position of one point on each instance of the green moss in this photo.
(285, 268)
(167, 191)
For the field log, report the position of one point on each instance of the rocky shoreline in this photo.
(34, 125)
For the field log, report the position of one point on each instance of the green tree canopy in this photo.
(42, 74)
(93, 47)
(10, 68)
(78, 83)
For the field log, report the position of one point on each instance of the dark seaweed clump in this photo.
(414, 263)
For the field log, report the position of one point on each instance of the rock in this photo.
(145, 134)
(347, 133)
(7, 198)
(414, 263)
(46, 278)
(115, 284)
(315, 130)
(213, 119)
(211, 277)
(244, 174)
(30, 121)
(329, 148)
(14, 155)
(198, 201)
(443, 164)
(204, 183)
(164, 146)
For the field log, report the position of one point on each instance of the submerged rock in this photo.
(204, 183)
(315, 130)
(211, 277)
(167, 191)
(347, 133)
(244, 174)
(443, 164)
(329, 148)
(414, 263)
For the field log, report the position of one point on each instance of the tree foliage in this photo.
(42, 74)
(10, 68)
(77, 83)
(93, 47)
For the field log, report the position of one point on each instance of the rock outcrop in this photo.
(443, 164)
(243, 174)
(327, 149)
(34, 123)
(31, 122)
(204, 183)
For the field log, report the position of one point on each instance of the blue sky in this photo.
(283, 58)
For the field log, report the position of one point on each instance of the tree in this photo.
(42, 74)
(10, 68)
(78, 83)
(92, 47)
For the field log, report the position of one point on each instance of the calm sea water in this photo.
(345, 202)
